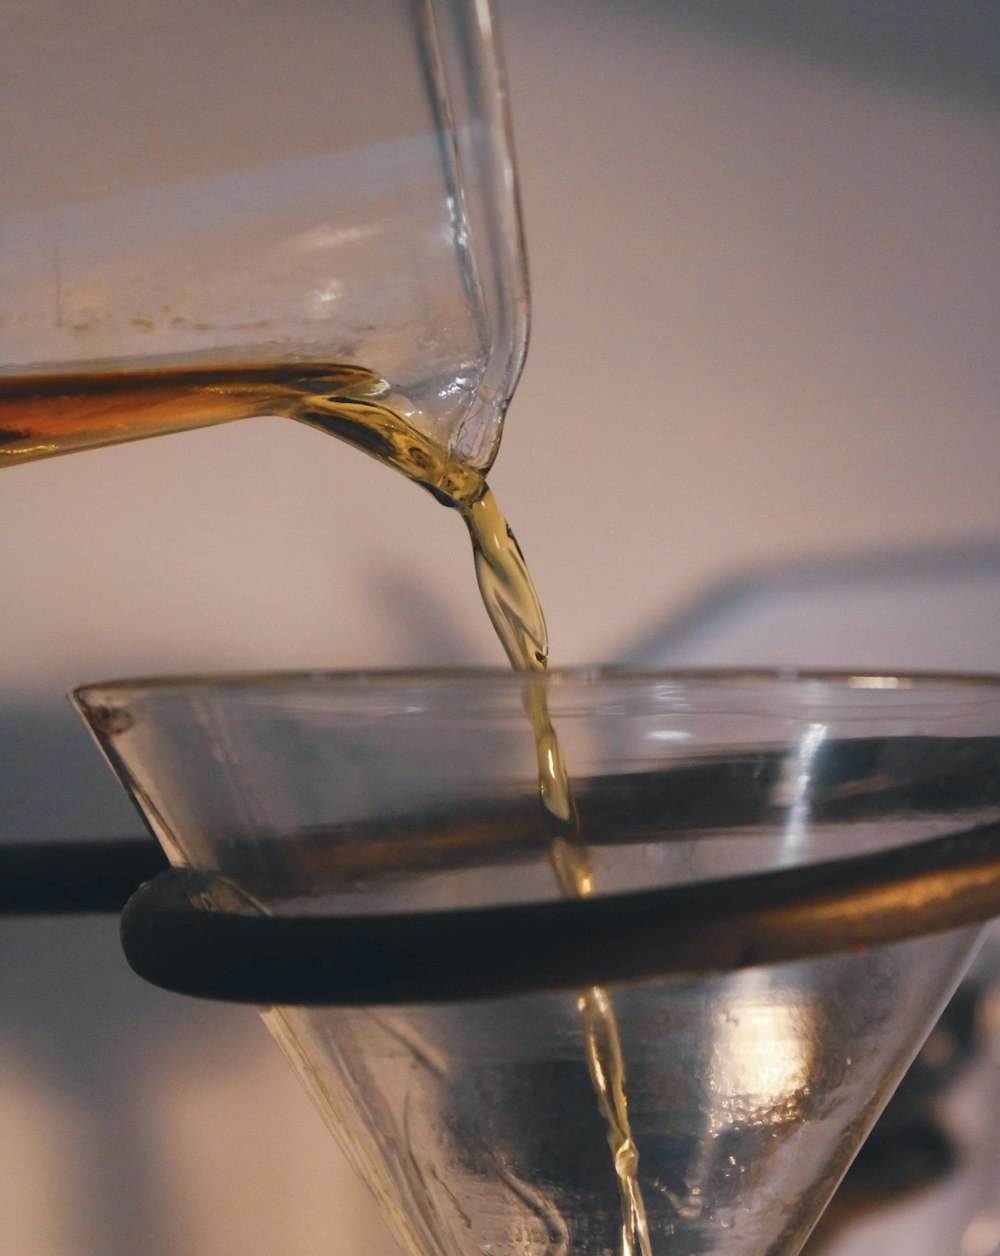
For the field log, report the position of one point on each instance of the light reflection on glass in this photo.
(879, 682)
(793, 791)
(762, 1054)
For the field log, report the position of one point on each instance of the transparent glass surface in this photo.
(477, 1123)
(245, 184)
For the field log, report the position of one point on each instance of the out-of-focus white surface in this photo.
(766, 298)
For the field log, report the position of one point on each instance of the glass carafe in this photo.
(216, 212)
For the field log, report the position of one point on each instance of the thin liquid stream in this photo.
(516, 614)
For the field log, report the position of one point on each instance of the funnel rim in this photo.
(582, 675)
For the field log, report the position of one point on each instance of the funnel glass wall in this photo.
(412, 797)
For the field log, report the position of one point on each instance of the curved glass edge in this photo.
(579, 677)
(465, 68)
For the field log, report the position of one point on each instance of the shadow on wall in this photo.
(136, 1120)
(933, 608)
(71, 1012)
(53, 781)
(950, 48)
(85, 1032)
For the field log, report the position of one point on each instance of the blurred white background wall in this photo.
(766, 287)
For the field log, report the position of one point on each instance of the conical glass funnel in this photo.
(789, 876)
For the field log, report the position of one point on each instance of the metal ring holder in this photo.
(197, 934)
(173, 937)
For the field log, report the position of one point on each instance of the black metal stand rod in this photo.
(84, 877)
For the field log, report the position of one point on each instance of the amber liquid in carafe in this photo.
(45, 415)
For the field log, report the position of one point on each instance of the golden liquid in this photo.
(45, 415)
(516, 613)
(42, 416)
